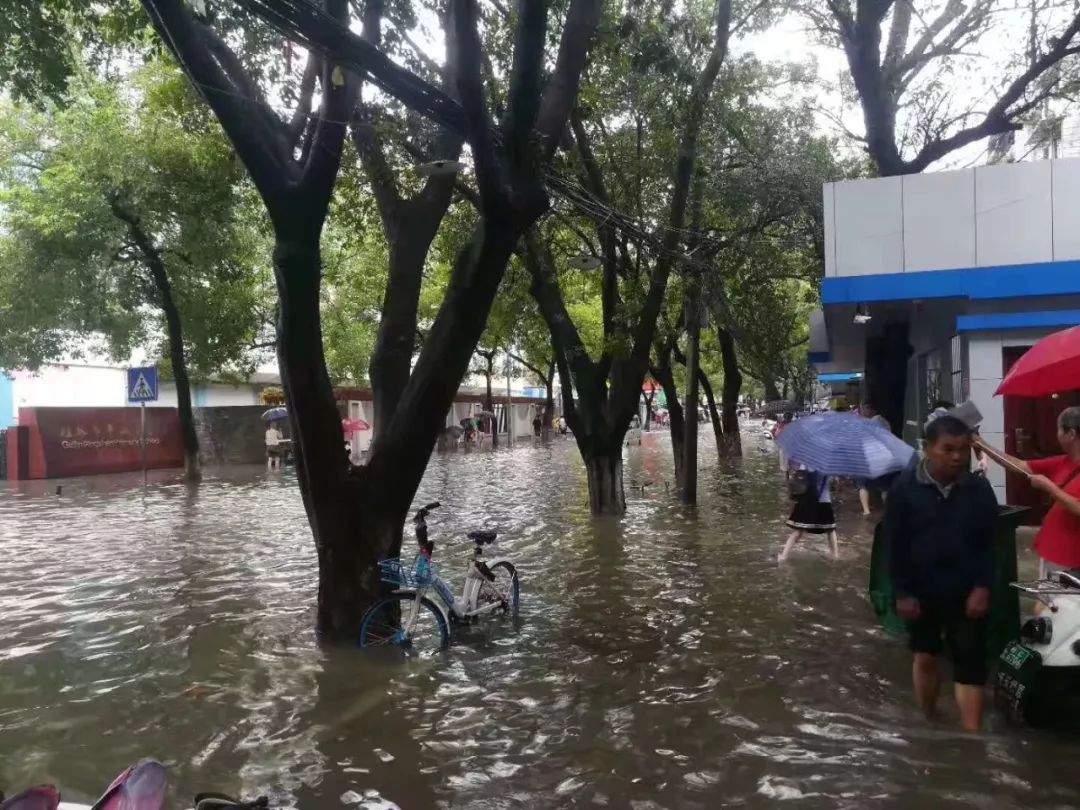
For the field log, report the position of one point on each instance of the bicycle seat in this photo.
(484, 536)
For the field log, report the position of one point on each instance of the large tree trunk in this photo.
(676, 425)
(356, 514)
(772, 393)
(180, 374)
(730, 403)
(688, 490)
(408, 241)
(714, 414)
(173, 328)
(549, 403)
(354, 519)
(409, 224)
(489, 403)
(605, 475)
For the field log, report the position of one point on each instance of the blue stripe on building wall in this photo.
(1008, 281)
(1018, 320)
(839, 378)
(7, 401)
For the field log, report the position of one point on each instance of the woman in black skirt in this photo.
(813, 514)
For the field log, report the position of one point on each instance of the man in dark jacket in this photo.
(939, 523)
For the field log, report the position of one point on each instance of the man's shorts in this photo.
(965, 638)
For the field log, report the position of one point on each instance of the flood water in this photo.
(663, 659)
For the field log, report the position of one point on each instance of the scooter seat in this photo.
(483, 536)
(1069, 579)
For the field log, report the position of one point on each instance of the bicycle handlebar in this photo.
(422, 512)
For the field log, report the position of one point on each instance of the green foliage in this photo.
(71, 269)
(355, 264)
(43, 43)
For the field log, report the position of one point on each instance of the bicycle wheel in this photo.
(383, 626)
(506, 589)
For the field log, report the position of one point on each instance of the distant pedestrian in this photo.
(939, 526)
(866, 485)
(273, 446)
(813, 511)
(538, 426)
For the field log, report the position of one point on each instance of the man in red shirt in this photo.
(1058, 541)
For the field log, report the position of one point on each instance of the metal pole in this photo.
(142, 411)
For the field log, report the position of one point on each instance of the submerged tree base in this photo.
(606, 494)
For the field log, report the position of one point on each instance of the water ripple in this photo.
(663, 659)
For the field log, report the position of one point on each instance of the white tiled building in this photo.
(957, 272)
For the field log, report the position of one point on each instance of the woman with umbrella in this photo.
(833, 444)
(275, 439)
(813, 512)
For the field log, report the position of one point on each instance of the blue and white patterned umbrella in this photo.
(844, 444)
(275, 415)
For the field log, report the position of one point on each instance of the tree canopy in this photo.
(72, 176)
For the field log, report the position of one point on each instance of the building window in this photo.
(956, 349)
(932, 382)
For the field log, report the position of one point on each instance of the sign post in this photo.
(142, 387)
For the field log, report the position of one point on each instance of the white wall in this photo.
(69, 386)
(213, 395)
(523, 416)
(220, 395)
(939, 221)
(1013, 214)
(988, 216)
(869, 226)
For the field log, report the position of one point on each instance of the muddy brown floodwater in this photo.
(663, 659)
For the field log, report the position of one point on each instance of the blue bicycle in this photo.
(411, 620)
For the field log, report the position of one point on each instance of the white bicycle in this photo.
(410, 619)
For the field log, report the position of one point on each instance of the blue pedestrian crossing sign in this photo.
(142, 384)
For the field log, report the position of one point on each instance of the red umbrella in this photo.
(354, 425)
(1050, 366)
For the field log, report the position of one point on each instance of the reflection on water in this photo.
(663, 659)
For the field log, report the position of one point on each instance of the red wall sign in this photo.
(63, 442)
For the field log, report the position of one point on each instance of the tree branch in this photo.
(471, 92)
(684, 168)
(545, 290)
(562, 89)
(309, 24)
(999, 118)
(523, 97)
(256, 142)
(302, 112)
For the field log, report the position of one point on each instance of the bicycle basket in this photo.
(417, 574)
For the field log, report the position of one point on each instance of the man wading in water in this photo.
(939, 522)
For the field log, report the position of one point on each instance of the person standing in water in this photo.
(939, 524)
(869, 412)
(813, 514)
